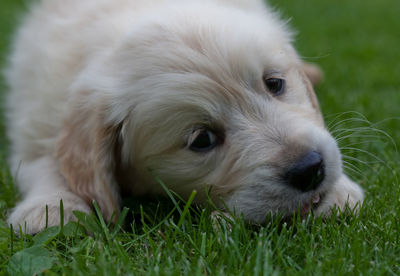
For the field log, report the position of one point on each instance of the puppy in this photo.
(107, 94)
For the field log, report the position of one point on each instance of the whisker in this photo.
(355, 135)
(334, 122)
(315, 57)
(365, 152)
(357, 129)
(365, 163)
(382, 134)
(347, 163)
(352, 130)
(359, 143)
(357, 172)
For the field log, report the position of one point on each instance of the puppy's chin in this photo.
(267, 193)
(255, 211)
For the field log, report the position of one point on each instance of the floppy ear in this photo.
(313, 72)
(307, 73)
(86, 150)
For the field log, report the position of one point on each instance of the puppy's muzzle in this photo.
(308, 173)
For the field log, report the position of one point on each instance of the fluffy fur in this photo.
(106, 94)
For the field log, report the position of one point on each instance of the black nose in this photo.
(307, 173)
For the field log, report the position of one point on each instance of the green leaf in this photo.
(72, 229)
(30, 261)
(90, 222)
(46, 235)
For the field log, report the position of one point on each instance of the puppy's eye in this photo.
(202, 140)
(275, 86)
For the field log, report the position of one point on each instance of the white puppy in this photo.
(107, 94)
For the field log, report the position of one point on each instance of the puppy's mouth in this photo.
(312, 204)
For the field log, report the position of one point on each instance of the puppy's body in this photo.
(105, 94)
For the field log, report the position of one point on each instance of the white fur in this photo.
(105, 93)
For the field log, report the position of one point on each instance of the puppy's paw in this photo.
(30, 214)
(345, 193)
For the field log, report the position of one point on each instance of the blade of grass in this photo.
(47, 216)
(170, 195)
(102, 222)
(61, 217)
(120, 222)
(11, 239)
(183, 215)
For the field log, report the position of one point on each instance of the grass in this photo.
(356, 44)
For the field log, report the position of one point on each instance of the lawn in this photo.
(357, 45)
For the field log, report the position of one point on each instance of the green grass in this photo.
(356, 44)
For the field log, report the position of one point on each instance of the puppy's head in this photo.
(212, 102)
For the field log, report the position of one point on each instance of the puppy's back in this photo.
(54, 44)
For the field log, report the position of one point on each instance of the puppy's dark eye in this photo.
(202, 140)
(275, 86)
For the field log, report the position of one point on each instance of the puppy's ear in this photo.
(313, 72)
(87, 149)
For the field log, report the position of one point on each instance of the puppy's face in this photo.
(226, 107)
